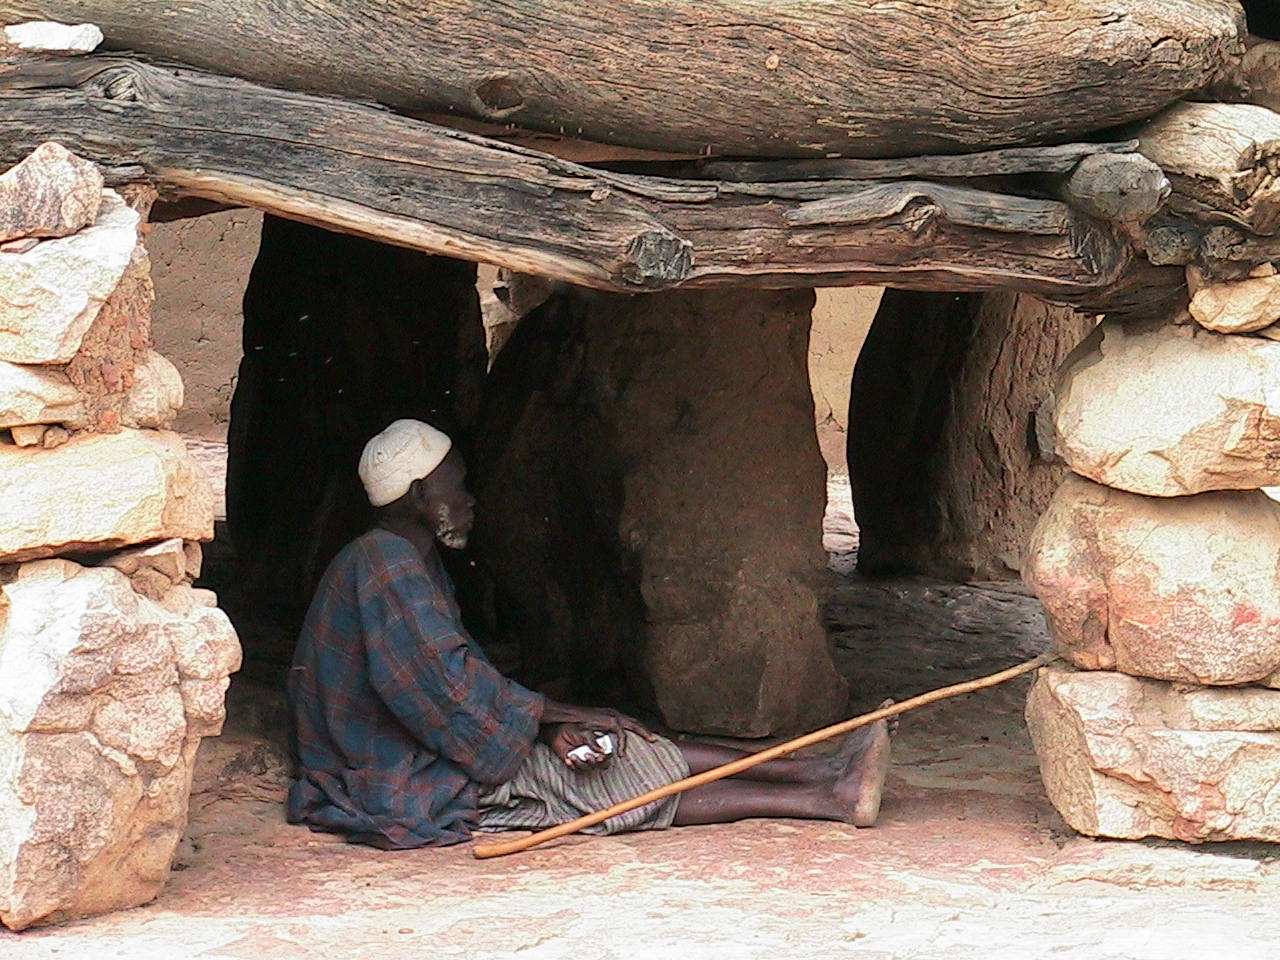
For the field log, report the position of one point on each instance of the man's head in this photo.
(411, 471)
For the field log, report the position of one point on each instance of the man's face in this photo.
(447, 508)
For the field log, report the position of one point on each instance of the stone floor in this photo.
(968, 861)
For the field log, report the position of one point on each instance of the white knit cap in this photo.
(406, 451)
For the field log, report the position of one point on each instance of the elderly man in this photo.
(407, 736)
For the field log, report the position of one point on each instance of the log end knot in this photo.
(655, 260)
(1121, 188)
(499, 96)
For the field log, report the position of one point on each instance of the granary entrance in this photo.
(634, 460)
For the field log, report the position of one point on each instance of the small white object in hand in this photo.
(587, 754)
(43, 36)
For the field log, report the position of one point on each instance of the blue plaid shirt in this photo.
(399, 717)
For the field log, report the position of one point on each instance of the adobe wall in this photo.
(841, 318)
(200, 267)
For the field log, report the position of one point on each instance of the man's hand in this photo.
(606, 720)
(564, 738)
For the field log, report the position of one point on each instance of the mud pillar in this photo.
(946, 472)
(341, 336)
(650, 505)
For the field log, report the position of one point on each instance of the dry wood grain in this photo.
(1222, 159)
(863, 78)
(1060, 159)
(356, 168)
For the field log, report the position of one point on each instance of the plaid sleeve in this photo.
(423, 668)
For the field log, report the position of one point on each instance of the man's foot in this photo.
(832, 766)
(855, 742)
(859, 789)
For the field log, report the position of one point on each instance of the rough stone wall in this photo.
(1156, 561)
(112, 666)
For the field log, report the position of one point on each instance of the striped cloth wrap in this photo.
(545, 792)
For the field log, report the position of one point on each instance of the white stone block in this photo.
(1239, 306)
(1130, 758)
(50, 295)
(1178, 588)
(100, 492)
(1171, 410)
(32, 394)
(43, 36)
(51, 193)
(156, 395)
(104, 695)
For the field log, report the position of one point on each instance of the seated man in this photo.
(407, 736)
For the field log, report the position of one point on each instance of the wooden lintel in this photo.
(357, 168)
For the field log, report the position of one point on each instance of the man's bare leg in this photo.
(852, 796)
(862, 786)
(705, 756)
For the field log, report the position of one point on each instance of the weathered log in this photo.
(1108, 181)
(1255, 77)
(1222, 159)
(1061, 159)
(733, 77)
(362, 170)
(1126, 188)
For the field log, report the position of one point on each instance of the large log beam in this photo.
(861, 78)
(363, 170)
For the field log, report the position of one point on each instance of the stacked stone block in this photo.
(1158, 562)
(112, 665)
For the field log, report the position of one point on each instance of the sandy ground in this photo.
(968, 861)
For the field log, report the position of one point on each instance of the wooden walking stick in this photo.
(487, 850)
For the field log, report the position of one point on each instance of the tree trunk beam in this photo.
(1255, 78)
(730, 77)
(362, 170)
(1122, 188)
(963, 206)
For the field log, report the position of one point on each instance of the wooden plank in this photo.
(355, 168)
(1059, 159)
(959, 205)
(860, 78)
